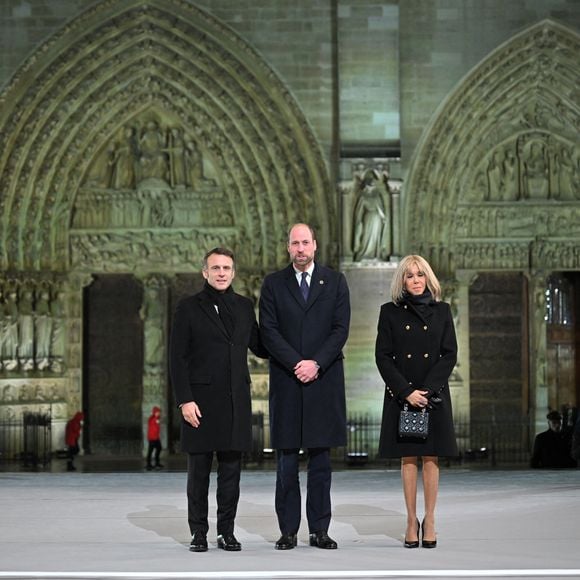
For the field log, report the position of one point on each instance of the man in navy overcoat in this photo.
(304, 322)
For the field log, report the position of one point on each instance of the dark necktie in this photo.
(304, 288)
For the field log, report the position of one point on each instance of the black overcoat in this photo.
(313, 414)
(211, 368)
(415, 351)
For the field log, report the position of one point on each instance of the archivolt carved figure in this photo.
(370, 219)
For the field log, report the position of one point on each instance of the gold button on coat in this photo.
(409, 355)
(426, 355)
(407, 327)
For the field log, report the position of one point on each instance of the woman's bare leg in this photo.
(409, 471)
(430, 490)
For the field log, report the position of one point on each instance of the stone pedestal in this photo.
(369, 283)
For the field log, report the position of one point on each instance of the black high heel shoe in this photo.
(414, 544)
(426, 543)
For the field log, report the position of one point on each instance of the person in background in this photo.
(71, 436)
(211, 333)
(304, 323)
(154, 438)
(552, 448)
(416, 351)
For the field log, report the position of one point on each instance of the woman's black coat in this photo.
(211, 368)
(415, 351)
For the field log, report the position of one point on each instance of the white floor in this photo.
(501, 524)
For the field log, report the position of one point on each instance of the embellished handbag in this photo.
(413, 423)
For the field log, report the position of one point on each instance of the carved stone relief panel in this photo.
(127, 102)
(147, 250)
(43, 395)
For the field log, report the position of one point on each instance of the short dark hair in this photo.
(219, 252)
(312, 232)
(554, 416)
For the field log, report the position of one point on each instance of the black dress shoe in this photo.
(198, 543)
(286, 542)
(228, 543)
(321, 540)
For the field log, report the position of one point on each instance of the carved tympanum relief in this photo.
(535, 166)
(163, 111)
(496, 183)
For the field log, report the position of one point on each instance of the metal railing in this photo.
(28, 441)
(481, 443)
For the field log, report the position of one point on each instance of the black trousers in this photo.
(227, 495)
(288, 499)
(154, 445)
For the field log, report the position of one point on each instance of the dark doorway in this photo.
(498, 347)
(113, 366)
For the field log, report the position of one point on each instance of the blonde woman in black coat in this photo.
(416, 351)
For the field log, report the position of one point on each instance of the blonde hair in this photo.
(398, 283)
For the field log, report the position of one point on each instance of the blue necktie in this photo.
(304, 288)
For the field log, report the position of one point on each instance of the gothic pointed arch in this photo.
(495, 182)
(155, 111)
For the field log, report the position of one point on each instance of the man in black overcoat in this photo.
(304, 321)
(210, 337)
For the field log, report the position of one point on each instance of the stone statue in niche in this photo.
(502, 175)
(153, 158)
(494, 177)
(535, 169)
(123, 160)
(177, 166)
(511, 177)
(43, 326)
(11, 337)
(370, 218)
(153, 315)
(567, 174)
(26, 327)
(57, 339)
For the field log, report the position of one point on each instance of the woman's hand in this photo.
(418, 398)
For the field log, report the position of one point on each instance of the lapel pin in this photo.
(321, 282)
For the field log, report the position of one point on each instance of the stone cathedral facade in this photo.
(138, 134)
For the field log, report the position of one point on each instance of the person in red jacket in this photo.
(71, 438)
(154, 438)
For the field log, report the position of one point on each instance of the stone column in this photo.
(154, 313)
(460, 384)
(395, 217)
(67, 346)
(345, 189)
(538, 390)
